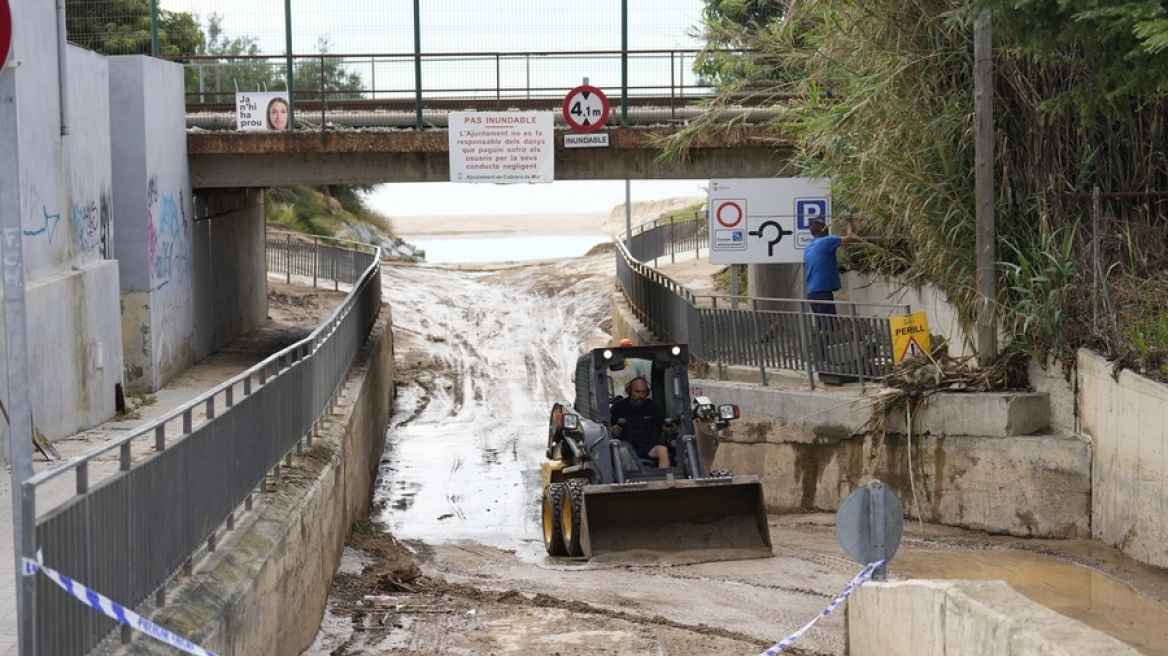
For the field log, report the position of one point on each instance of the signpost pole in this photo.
(16, 351)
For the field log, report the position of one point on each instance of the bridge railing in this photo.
(134, 522)
(855, 344)
(407, 90)
(671, 237)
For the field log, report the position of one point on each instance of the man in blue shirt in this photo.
(820, 267)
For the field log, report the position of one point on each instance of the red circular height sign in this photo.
(5, 31)
(585, 109)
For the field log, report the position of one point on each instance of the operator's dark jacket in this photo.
(643, 424)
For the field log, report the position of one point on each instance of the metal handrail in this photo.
(102, 449)
(761, 332)
(127, 535)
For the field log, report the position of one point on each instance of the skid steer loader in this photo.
(600, 500)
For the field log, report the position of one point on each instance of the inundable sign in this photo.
(5, 32)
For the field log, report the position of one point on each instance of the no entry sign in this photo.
(5, 31)
(585, 109)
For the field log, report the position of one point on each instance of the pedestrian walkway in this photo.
(305, 309)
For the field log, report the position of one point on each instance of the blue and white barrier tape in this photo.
(849, 588)
(113, 609)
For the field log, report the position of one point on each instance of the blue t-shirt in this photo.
(820, 268)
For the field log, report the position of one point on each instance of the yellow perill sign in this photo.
(910, 336)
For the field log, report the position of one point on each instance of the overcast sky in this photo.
(387, 26)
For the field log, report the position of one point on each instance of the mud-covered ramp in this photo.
(481, 356)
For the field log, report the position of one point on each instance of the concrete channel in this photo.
(265, 589)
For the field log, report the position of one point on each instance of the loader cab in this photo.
(664, 371)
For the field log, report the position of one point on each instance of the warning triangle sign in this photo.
(912, 349)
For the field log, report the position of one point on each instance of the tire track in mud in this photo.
(481, 353)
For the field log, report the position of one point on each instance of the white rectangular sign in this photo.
(591, 140)
(501, 147)
(261, 110)
(764, 220)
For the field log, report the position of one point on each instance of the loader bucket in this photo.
(675, 522)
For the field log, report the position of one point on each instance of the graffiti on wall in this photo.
(49, 229)
(92, 227)
(167, 244)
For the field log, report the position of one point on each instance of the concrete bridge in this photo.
(230, 159)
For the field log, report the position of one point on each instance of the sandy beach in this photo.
(584, 223)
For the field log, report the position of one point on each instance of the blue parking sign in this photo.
(808, 210)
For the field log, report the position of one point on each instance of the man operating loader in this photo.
(641, 423)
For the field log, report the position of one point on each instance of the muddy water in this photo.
(1075, 591)
(481, 355)
(470, 429)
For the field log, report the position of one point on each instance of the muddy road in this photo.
(454, 556)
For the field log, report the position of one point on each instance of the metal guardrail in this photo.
(296, 256)
(128, 535)
(388, 90)
(765, 333)
(657, 238)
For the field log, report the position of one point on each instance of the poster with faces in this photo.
(262, 110)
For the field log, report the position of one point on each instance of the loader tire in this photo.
(552, 512)
(721, 473)
(573, 511)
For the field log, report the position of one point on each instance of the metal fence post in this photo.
(758, 342)
(624, 63)
(323, 101)
(805, 330)
(417, 65)
(288, 260)
(672, 238)
(288, 63)
(857, 345)
(697, 242)
(154, 47)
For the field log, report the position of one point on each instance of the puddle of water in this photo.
(506, 249)
(1085, 595)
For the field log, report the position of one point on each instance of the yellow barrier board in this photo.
(910, 336)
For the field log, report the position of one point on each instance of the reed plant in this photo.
(879, 98)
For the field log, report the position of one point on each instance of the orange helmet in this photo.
(626, 342)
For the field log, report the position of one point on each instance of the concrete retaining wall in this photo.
(970, 466)
(1125, 420)
(943, 319)
(230, 248)
(153, 213)
(264, 591)
(980, 461)
(958, 618)
(59, 185)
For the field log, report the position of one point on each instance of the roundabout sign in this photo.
(585, 108)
